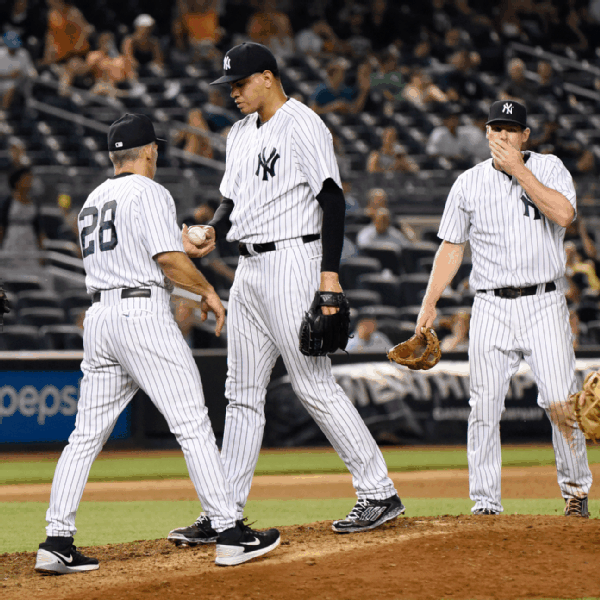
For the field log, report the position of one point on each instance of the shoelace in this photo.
(575, 505)
(202, 520)
(357, 510)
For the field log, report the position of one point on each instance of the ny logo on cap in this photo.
(227, 63)
(507, 108)
(118, 144)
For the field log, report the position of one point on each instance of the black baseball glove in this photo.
(321, 334)
(4, 305)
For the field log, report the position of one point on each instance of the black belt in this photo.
(512, 292)
(127, 293)
(270, 246)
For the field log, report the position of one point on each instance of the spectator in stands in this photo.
(577, 158)
(17, 156)
(69, 229)
(462, 83)
(391, 156)
(216, 114)
(16, 70)
(458, 340)
(387, 82)
(318, 39)
(549, 85)
(272, 28)
(516, 86)
(142, 49)
(582, 272)
(366, 338)
(376, 198)
(185, 318)
(335, 96)
(196, 142)
(109, 70)
(382, 233)
(422, 92)
(455, 141)
(381, 25)
(197, 26)
(67, 35)
(20, 230)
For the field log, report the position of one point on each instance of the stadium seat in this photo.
(361, 298)
(75, 299)
(412, 287)
(352, 268)
(52, 222)
(20, 337)
(390, 258)
(62, 337)
(594, 331)
(380, 311)
(388, 286)
(38, 317)
(63, 246)
(396, 331)
(21, 283)
(37, 299)
(413, 253)
(409, 313)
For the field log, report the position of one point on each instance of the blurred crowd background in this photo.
(404, 88)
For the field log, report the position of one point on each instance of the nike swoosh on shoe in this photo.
(254, 542)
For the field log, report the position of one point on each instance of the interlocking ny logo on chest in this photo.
(529, 204)
(267, 164)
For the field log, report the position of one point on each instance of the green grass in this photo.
(102, 523)
(115, 467)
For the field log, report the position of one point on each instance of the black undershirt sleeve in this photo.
(221, 222)
(331, 199)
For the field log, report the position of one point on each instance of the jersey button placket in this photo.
(514, 244)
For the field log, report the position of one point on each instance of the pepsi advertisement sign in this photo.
(41, 406)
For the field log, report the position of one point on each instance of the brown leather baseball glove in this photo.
(420, 352)
(587, 406)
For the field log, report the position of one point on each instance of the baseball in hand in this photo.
(197, 234)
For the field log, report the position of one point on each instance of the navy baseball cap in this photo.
(12, 40)
(508, 111)
(131, 131)
(245, 60)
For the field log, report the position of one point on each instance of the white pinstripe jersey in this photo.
(513, 244)
(122, 225)
(274, 172)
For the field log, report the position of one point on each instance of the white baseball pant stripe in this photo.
(267, 302)
(535, 328)
(131, 344)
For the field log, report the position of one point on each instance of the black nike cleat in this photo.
(368, 514)
(51, 560)
(201, 532)
(241, 544)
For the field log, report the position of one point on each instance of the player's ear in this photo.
(526, 134)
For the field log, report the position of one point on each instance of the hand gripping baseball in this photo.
(195, 247)
(420, 352)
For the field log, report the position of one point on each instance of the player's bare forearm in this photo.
(330, 282)
(182, 272)
(446, 263)
(552, 203)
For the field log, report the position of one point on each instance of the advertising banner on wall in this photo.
(40, 406)
(402, 406)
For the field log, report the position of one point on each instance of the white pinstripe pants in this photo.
(535, 328)
(267, 301)
(131, 344)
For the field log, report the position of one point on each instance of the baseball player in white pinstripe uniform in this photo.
(514, 209)
(131, 244)
(284, 204)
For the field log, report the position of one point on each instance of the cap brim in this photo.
(228, 79)
(524, 125)
(161, 140)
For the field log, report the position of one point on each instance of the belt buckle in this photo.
(512, 293)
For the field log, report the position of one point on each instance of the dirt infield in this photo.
(417, 558)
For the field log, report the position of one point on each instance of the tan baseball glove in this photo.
(587, 406)
(418, 353)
